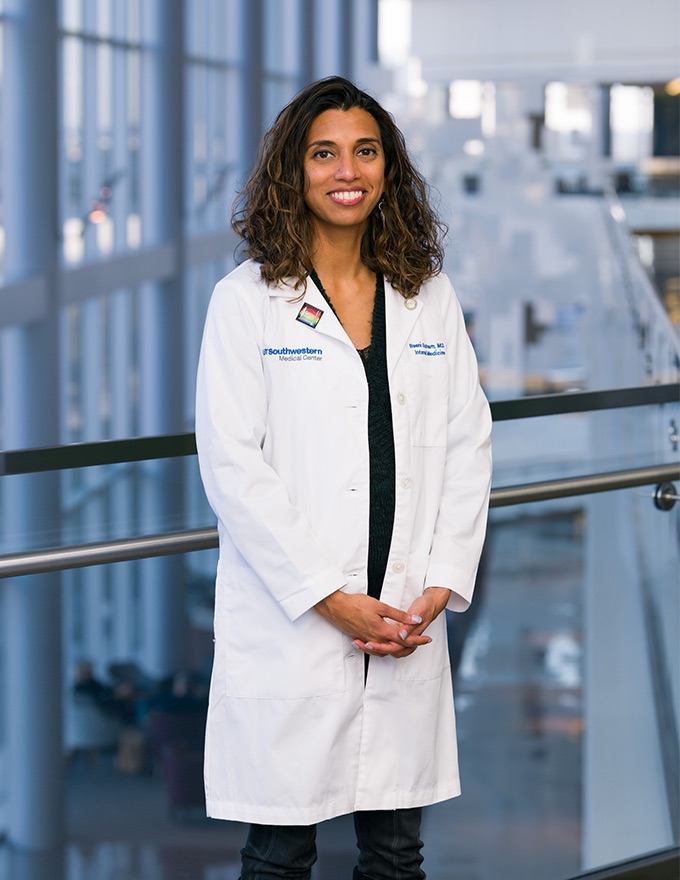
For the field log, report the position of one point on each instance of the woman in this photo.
(344, 445)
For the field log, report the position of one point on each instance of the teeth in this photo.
(347, 196)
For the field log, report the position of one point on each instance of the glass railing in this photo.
(144, 493)
(566, 671)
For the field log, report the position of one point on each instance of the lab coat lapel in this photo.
(328, 324)
(401, 317)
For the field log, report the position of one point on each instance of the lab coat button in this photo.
(401, 398)
(406, 482)
(410, 304)
(398, 567)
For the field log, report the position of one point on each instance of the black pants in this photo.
(388, 841)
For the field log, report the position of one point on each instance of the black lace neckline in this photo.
(379, 287)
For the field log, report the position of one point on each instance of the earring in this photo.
(381, 204)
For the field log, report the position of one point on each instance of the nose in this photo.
(347, 168)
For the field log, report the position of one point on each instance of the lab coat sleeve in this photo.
(461, 522)
(248, 497)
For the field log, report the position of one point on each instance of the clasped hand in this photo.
(379, 629)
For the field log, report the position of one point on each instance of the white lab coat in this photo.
(294, 735)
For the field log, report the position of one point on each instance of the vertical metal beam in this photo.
(253, 80)
(307, 28)
(30, 392)
(346, 38)
(160, 322)
(372, 54)
(361, 34)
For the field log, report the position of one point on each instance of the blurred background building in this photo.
(551, 135)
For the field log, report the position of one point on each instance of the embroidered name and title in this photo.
(430, 349)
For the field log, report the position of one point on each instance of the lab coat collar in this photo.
(401, 315)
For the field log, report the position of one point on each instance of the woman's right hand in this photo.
(376, 628)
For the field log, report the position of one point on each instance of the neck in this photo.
(338, 256)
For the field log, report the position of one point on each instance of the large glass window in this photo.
(100, 129)
(282, 51)
(213, 112)
(100, 366)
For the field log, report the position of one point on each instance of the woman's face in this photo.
(344, 168)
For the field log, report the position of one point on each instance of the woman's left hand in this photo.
(428, 606)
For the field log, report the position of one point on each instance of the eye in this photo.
(368, 151)
(321, 154)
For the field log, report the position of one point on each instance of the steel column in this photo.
(30, 391)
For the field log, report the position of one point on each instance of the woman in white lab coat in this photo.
(343, 441)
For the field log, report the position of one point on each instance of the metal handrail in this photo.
(584, 485)
(584, 401)
(189, 540)
(102, 552)
(107, 452)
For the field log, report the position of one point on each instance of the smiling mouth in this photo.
(347, 197)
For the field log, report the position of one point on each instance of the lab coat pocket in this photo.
(428, 383)
(269, 657)
(428, 661)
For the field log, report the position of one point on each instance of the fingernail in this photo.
(369, 647)
(416, 619)
(403, 634)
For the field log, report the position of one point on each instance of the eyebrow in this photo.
(363, 140)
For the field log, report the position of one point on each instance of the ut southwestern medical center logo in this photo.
(294, 354)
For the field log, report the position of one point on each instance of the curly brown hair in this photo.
(270, 215)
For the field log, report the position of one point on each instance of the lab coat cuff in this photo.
(460, 581)
(313, 590)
